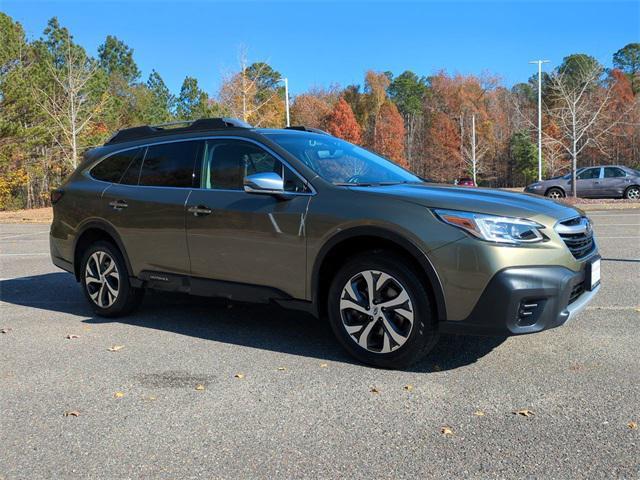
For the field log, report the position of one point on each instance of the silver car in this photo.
(612, 181)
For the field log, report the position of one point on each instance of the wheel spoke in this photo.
(364, 336)
(402, 297)
(397, 337)
(368, 278)
(102, 279)
(348, 304)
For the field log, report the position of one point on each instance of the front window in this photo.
(340, 162)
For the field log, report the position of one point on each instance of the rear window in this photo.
(111, 168)
(169, 164)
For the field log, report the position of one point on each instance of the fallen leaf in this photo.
(637, 309)
(374, 390)
(282, 369)
(323, 365)
(239, 375)
(72, 413)
(632, 425)
(150, 398)
(479, 413)
(199, 387)
(118, 395)
(71, 336)
(115, 348)
(446, 431)
(524, 412)
(408, 388)
(5, 330)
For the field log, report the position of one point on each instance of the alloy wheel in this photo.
(554, 194)
(376, 311)
(102, 279)
(633, 193)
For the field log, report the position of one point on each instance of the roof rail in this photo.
(146, 131)
(302, 128)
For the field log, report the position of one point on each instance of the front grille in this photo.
(576, 291)
(577, 235)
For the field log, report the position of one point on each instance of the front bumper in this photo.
(537, 191)
(523, 300)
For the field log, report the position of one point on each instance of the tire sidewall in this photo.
(124, 288)
(554, 189)
(424, 332)
(626, 193)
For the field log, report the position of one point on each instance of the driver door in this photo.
(588, 182)
(248, 238)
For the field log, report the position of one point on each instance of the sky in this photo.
(316, 44)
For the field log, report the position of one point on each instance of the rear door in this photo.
(247, 238)
(614, 182)
(147, 206)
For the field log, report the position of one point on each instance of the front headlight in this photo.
(535, 185)
(493, 228)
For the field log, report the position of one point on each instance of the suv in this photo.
(299, 217)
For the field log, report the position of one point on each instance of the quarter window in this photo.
(169, 164)
(111, 168)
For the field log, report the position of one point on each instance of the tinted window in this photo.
(132, 174)
(227, 162)
(589, 174)
(612, 172)
(111, 169)
(169, 164)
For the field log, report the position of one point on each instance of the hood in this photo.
(480, 200)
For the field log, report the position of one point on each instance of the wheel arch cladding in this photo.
(359, 239)
(91, 233)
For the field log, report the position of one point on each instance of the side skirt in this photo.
(205, 287)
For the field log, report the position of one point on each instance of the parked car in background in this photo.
(465, 182)
(614, 181)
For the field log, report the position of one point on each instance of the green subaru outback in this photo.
(298, 217)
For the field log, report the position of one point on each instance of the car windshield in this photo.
(340, 162)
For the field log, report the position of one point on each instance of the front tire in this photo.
(380, 311)
(554, 193)
(105, 281)
(632, 193)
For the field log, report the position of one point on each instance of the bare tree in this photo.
(68, 102)
(577, 107)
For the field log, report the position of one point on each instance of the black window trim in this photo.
(278, 157)
(626, 174)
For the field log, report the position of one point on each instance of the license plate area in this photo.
(592, 274)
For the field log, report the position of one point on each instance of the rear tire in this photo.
(397, 326)
(105, 281)
(554, 193)
(632, 193)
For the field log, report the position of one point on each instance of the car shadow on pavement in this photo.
(268, 327)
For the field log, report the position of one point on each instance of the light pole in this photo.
(539, 62)
(286, 99)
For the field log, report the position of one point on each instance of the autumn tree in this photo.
(627, 59)
(389, 134)
(342, 123)
(311, 109)
(254, 94)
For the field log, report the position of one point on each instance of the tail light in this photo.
(56, 195)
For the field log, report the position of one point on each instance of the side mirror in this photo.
(269, 183)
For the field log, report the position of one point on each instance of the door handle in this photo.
(199, 210)
(118, 204)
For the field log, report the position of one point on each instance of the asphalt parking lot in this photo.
(303, 408)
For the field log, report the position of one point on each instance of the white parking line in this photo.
(635, 236)
(22, 254)
(22, 235)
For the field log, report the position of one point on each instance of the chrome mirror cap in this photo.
(265, 182)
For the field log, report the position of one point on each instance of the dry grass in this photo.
(35, 215)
